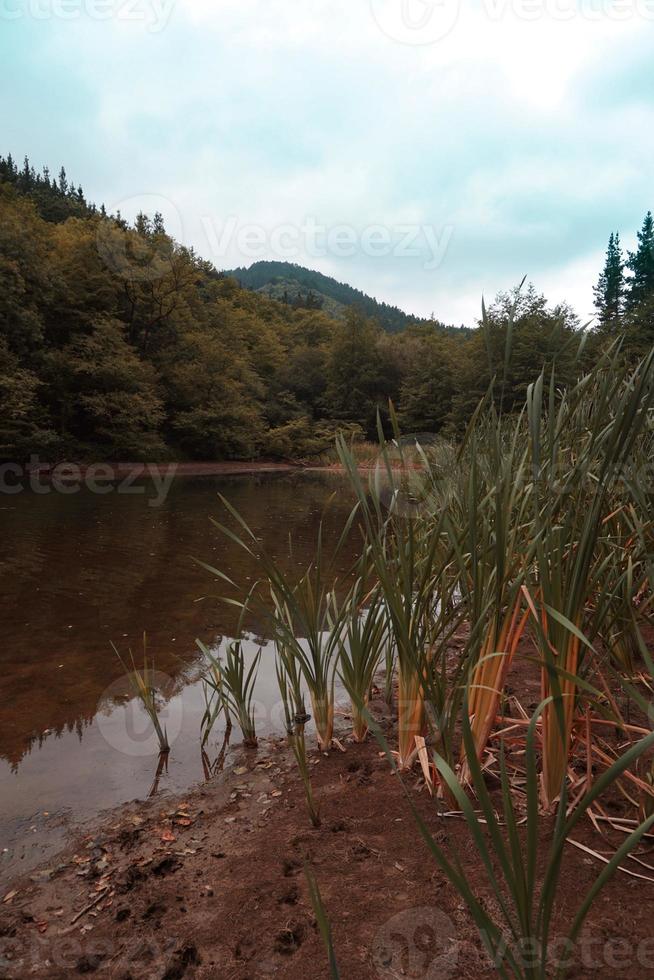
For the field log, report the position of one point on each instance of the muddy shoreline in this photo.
(211, 883)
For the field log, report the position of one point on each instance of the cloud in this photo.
(528, 135)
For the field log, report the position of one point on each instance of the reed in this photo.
(296, 717)
(233, 685)
(302, 618)
(522, 876)
(214, 699)
(405, 553)
(363, 643)
(142, 684)
(493, 550)
(535, 528)
(322, 920)
(579, 452)
(389, 672)
(303, 625)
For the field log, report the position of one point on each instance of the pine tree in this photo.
(641, 265)
(63, 182)
(158, 227)
(25, 179)
(142, 224)
(609, 291)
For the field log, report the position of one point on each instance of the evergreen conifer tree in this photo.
(641, 265)
(609, 291)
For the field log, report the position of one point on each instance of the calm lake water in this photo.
(80, 571)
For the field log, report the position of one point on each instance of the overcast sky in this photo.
(425, 152)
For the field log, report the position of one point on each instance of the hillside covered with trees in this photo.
(116, 342)
(298, 286)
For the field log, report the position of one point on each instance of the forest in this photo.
(295, 284)
(117, 342)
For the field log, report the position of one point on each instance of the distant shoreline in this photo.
(169, 469)
(134, 470)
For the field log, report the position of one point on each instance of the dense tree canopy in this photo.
(625, 303)
(117, 342)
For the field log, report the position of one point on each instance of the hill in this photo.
(299, 286)
(117, 342)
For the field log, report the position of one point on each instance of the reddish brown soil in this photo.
(212, 885)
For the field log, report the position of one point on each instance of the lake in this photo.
(80, 572)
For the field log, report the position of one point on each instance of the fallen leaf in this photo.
(8, 897)
(168, 837)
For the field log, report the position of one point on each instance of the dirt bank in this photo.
(211, 885)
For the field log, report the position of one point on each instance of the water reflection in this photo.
(80, 571)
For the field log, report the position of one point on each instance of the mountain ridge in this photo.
(298, 285)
